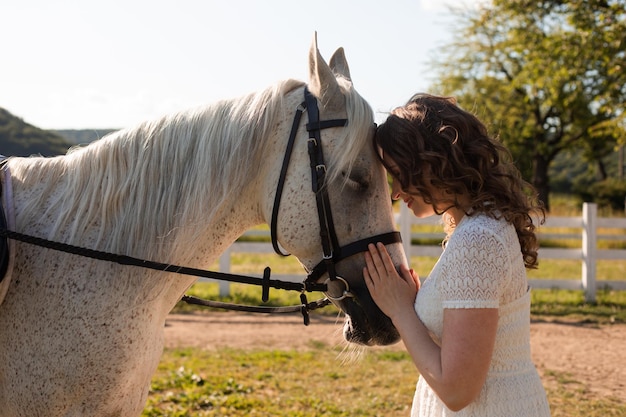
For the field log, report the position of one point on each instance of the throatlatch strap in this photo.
(281, 179)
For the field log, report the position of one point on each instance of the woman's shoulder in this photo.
(486, 222)
(482, 229)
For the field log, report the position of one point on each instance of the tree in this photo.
(547, 76)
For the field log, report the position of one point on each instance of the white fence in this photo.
(588, 253)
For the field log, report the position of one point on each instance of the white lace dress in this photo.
(482, 267)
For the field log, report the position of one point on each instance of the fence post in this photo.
(589, 244)
(225, 267)
(405, 230)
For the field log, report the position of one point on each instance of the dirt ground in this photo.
(593, 356)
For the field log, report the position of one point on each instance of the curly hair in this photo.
(437, 145)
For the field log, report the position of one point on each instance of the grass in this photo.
(280, 383)
(609, 308)
(316, 383)
(571, 398)
(571, 269)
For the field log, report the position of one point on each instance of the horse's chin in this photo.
(360, 336)
(363, 331)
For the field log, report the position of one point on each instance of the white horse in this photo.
(82, 337)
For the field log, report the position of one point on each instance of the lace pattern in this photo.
(482, 267)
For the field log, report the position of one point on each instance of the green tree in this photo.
(547, 76)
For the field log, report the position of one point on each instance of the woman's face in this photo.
(444, 202)
(410, 196)
(412, 199)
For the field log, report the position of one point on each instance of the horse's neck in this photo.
(234, 215)
(232, 219)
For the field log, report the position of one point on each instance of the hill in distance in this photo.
(18, 138)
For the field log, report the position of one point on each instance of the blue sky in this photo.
(83, 64)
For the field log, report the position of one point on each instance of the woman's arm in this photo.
(457, 369)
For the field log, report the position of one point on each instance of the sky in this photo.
(80, 64)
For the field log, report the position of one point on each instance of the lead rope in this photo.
(266, 283)
(303, 308)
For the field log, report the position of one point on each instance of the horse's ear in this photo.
(339, 64)
(322, 82)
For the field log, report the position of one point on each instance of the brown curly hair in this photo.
(437, 145)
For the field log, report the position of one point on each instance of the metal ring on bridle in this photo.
(346, 292)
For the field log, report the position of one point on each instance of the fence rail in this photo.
(588, 253)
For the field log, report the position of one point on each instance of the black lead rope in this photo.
(303, 308)
(266, 283)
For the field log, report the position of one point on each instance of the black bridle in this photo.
(333, 253)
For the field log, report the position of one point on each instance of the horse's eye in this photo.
(355, 181)
(357, 184)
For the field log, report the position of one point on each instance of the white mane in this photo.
(157, 180)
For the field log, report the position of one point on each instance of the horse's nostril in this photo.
(356, 334)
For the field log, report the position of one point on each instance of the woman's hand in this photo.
(393, 292)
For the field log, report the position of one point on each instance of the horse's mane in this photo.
(110, 184)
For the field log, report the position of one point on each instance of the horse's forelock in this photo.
(360, 119)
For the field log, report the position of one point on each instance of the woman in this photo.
(467, 328)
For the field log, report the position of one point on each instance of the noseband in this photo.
(333, 253)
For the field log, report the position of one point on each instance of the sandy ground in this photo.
(592, 356)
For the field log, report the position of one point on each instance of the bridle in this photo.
(333, 253)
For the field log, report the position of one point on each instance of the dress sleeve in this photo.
(476, 269)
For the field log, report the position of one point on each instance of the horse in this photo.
(82, 336)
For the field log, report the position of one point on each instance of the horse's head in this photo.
(350, 209)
